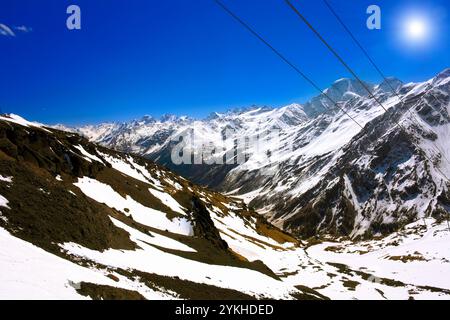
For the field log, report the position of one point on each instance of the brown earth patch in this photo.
(104, 292)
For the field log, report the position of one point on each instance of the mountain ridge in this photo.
(81, 221)
(312, 135)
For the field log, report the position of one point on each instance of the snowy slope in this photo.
(382, 178)
(101, 224)
(105, 224)
(28, 272)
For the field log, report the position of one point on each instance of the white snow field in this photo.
(417, 255)
(29, 272)
(21, 121)
(32, 273)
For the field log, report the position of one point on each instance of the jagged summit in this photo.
(444, 74)
(168, 118)
(148, 119)
(391, 83)
(345, 89)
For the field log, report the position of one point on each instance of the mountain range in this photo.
(347, 163)
(350, 201)
(81, 221)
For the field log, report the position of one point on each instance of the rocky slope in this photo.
(113, 225)
(366, 182)
(81, 221)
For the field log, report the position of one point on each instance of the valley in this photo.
(334, 211)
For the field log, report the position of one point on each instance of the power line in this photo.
(364, 51)
(310, 81)
(254, 33)
(358, 44)
(394, 91)
(330, 48)
(342, 61)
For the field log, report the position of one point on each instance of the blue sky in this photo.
(183, 57)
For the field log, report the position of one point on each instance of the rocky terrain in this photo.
(79, 221)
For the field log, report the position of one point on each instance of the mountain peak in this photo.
(213, 115)
(295, 108)
(342, 80)
(148, 119)
(168, 117)
(443, 74)
(251, 108)
(389, 84)
(344, 89)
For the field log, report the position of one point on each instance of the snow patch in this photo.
(87, 155)
(103, 193)
(21, 121)
(4, 202)
(168, 201)
(6, 179)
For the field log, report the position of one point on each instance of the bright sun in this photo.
(416, 29)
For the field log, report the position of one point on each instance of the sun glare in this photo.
(416, 29)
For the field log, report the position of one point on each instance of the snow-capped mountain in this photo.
(365, 182)
(341, 90)
(358, 170)
(78, 221)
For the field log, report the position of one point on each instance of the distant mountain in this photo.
(342, 90)
(327, 175)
